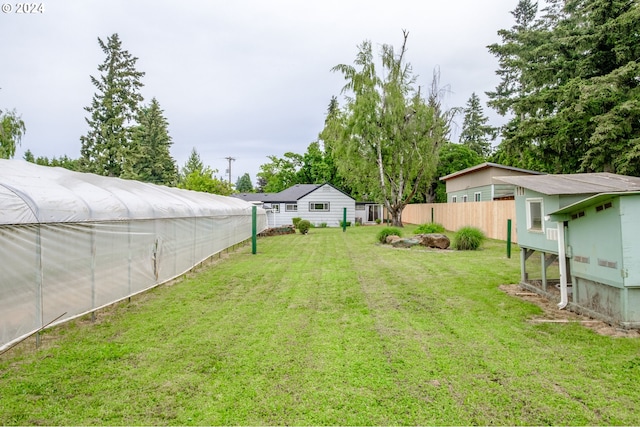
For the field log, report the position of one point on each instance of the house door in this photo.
(373, 213)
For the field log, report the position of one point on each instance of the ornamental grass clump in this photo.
(388, 231)
(468, 239)
(429, 228)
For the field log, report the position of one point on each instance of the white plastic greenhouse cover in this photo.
(73, 242)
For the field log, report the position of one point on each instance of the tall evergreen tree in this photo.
(580, 109)
(113, 110)
(476, 133)
(243, 184)
(62, 161)
(148, 158)
(193, 164)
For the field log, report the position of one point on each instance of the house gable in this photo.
(480, 179)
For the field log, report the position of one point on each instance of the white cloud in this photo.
(246, 78)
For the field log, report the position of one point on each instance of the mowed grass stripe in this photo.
(328, 328)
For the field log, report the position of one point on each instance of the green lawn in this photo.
(327, 328)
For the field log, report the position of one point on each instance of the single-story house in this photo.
(317, 203)
(589, 223)
(476, 184)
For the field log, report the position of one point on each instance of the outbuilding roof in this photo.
(593, 200)
(487, 165)
(579, 183)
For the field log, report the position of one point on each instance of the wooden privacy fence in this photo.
(490, 217)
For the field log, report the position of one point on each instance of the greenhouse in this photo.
(71, 243)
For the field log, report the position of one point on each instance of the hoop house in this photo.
(71, 242)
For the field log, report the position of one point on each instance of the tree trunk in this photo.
(396, 217)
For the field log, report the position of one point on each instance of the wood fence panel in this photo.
(490, 217)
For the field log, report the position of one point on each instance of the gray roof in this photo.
(579, 183)
(485, 166)
(291, 194)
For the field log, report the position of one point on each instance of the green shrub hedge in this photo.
(430, 227)
(388, 231)
(303, 226)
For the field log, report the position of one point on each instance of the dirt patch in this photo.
(553, 315)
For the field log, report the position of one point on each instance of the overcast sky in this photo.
(243, 79)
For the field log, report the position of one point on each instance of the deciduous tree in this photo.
(388, 136)
(12, 129)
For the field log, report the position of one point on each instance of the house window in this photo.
(318, 206)
(534, 215)
(275, 208)
(477, 196)
(464, 199)
(291, 207)
(454, 199)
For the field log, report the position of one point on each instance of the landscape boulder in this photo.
(392, 238)
(405, 243)
(434, 240)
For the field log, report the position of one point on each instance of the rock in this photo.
(433, 240)
(405, 243)
(392, 238)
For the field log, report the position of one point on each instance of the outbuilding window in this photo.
(534, 215)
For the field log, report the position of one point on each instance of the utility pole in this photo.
(231, 159)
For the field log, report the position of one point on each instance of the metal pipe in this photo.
(564, 298)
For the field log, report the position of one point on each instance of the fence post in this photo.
(432, 215)
(254, 228)
(344, 220)
(508, 238)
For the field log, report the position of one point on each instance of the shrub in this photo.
(323, 225)
(296, 220)
(378, 221)
(430, 227)
(468, 239)
(348, 223)
(303, 226)
(388, 231)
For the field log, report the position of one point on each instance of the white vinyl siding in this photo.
(326, 204)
